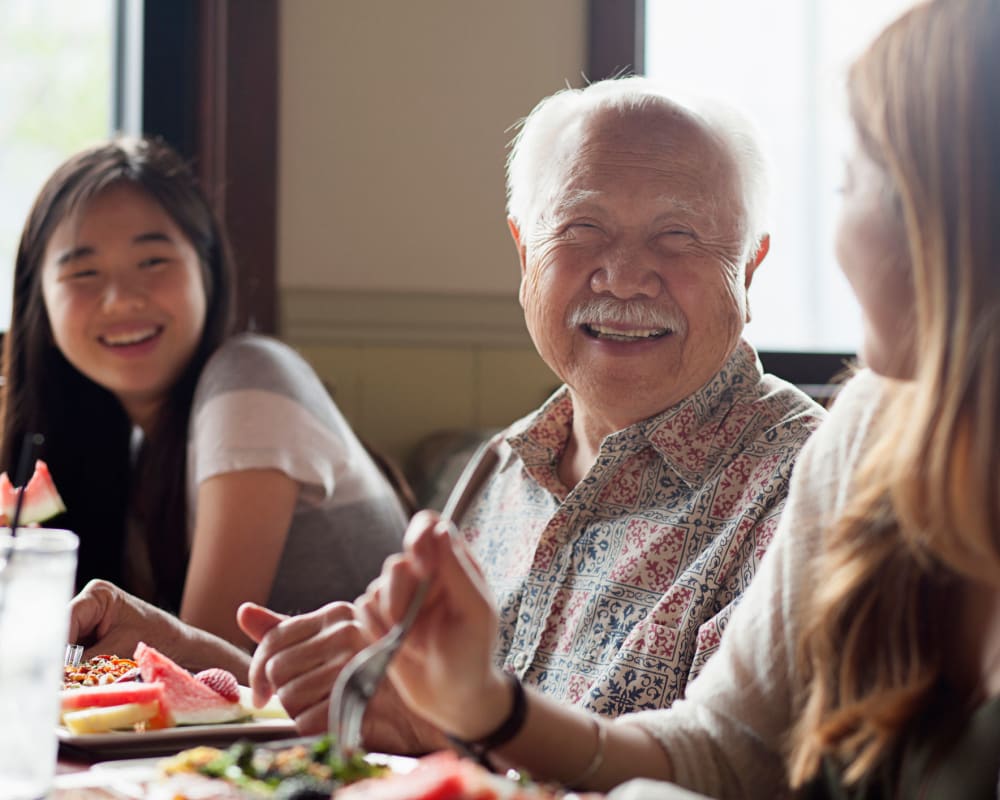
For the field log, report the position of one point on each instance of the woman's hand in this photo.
(444, 670)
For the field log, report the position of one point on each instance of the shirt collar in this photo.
(684, 434)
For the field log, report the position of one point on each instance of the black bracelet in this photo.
(503, 733)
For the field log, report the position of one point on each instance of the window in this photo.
(782, 62)
(56, 93)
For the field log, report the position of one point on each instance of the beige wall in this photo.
(397, 274)
(394, 118)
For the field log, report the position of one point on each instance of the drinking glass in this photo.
(37, 569)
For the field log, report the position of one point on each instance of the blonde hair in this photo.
(925, 100)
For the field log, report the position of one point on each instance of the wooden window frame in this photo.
(210, 89)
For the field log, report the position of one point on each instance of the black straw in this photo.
(32, 441)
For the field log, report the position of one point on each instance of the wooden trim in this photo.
(615, 38)
(170, 73)
(409, 319)
(210, 88)
(334, 317)
(238, 142)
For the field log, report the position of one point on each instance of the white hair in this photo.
(533, 145)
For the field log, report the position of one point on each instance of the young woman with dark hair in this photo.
(199, 468)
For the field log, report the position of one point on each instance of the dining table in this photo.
(115, 771)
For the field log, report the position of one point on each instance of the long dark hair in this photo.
(87, 432)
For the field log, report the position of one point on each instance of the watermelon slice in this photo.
(125, 704)
(439, 776)
(111, 694)
(186, 701)
(41, 500)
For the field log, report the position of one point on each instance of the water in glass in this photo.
(37, 570)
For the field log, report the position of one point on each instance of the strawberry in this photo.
(221, 681)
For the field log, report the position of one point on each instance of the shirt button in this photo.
(520, 660)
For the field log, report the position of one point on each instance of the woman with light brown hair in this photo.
(864, 662)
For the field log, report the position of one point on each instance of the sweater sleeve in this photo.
(726, 738)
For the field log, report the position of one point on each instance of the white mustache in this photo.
(626, 313)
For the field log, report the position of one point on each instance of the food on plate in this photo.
(100, 719)
(300, 772)
(41, 500)
(162, 694)
(115, 706)
(446, 776)
(272, 709)
(188, 700)
(266, 771)
(99, 670)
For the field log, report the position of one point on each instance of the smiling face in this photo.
(871, 249)
(629, 283)
(125, 297)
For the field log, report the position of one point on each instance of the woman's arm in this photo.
(240, 531)
(565, 744)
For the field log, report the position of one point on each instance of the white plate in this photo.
(136, 774)
(143, 768)
(169, 740)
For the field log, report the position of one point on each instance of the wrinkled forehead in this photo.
(662, 145)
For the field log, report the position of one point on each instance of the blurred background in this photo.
(356, 153)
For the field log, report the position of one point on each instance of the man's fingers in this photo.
(314, 720)
(289, 670)
(333, 645)
(286, 636)
(309, 691)
(255, 621)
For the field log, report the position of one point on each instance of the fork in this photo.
(362, 675)
(73, 656)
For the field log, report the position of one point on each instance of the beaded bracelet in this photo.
(596, 761)
(503, 733)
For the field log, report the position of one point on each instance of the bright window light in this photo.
(55, 92)
(783, 62)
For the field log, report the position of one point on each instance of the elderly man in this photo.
(630, 511)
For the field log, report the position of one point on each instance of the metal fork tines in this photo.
(362, 675)
(73, 656)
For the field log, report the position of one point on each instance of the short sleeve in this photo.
(259, 405)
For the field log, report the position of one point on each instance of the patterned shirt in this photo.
(614, 594)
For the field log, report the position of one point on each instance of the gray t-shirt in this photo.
(259, 405)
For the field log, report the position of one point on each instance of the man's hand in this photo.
(299, 658)
(107, 619)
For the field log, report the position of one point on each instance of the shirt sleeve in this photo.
(726, 738)
(259, 406)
